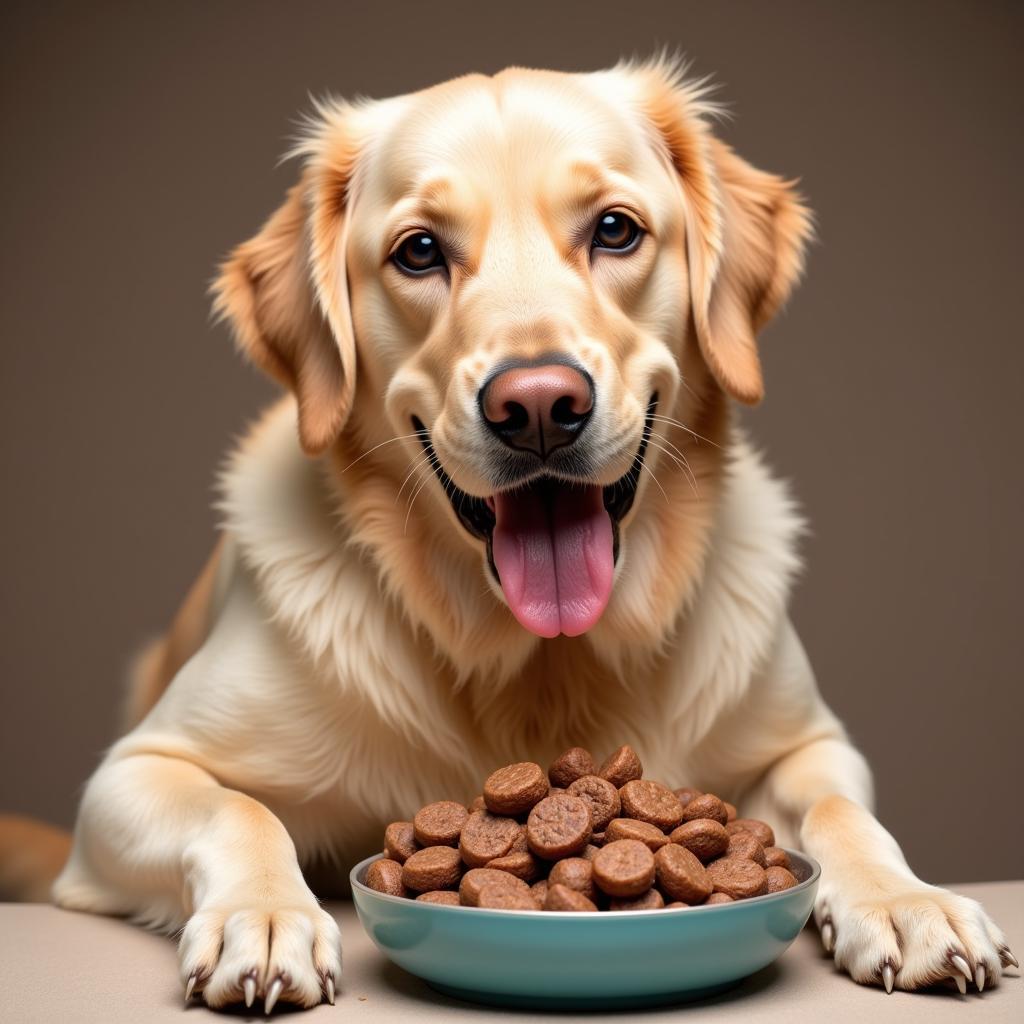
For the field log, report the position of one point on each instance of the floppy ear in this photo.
(746, 235)
(285, 294)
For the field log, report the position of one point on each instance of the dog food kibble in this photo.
(624, 868)
(433, 867)
(621, 767)
(443, 896)
(559, 826)
(570, 766)
(561, 897)
(487, 836)
(515, 788)
(704, 838)
(582, 839)
(386, 876)
(600, 796)
(737, 877)
(439, 824)
(400, 841)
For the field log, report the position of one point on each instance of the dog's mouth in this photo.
(552, 544)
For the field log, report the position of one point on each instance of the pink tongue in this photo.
(553, 553)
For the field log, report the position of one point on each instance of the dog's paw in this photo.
(903, 933)
(288, 954)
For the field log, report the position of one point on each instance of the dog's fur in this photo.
(346, 656)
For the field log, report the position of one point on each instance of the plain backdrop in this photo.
(139, 142)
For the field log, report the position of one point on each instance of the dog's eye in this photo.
(418, 254)
(615, 231)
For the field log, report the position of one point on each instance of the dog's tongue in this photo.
(552, 548)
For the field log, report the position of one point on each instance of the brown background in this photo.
(139, 144)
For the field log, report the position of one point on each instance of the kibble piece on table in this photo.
(487, 836)
(439, 823)
(650, 900)
(600, 796)
(570, 766)
(680, 875)
(621, 767)
(624, 868)
(704, 838)
(737, 878)
(515, 788)
(561, 897)
(559, 826)
(473, 882)
(433, 867)
(445, 897)
(705, 806)
(650, 801)
(629, 828)
(386, 876)
(400, 841)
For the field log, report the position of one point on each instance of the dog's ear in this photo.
(746, 233)
(285, 294)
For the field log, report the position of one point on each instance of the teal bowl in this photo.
(559, 960)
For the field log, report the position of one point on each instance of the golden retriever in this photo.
(505, 509)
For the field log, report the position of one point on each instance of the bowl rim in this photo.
(575, 915)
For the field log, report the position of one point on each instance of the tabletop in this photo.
(61, 966)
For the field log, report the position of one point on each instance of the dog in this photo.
(503, 508)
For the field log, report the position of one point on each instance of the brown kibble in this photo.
(561, 897)
(778, 878)
(515, 788)
(718, 897)
(522, 864)
(776, 857)
(520, 844)
(643, 831)
(743, 845)
(650, 900)
(680, 875)
(737, 878)
(704, 838)
(434, 867)
(761, 830)
(575, 873)
(730, 811)
(400, 841)
(570, 766)
(598, 838)
(624, 868)
(445, 897)
(385, 876)
(706, 806)
(552, 790)
(687, 793)
(486, 836)
(540, 891)
(590, 851)
(676, 905)
(651, 801)
(473, 882)
(478, 804)
(500, 897)
(439, 823)
(621, 766)
(600, 796)
(559, 826)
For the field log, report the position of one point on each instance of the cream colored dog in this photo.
(506, 511)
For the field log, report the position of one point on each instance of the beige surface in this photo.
(56, 966)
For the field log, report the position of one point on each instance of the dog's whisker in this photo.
(681, 461)
(390, 440)
(417, 464)
(424, 480)
(683, 426)
(650, 472)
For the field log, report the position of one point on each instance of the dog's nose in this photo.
(538, 408)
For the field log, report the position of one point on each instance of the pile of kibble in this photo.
(583, 838)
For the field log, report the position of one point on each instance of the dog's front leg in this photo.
(882, 923)
(160, 840)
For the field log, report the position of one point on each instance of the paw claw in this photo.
(979, 977)
(273, 994)
(961, 965)
(828, 935)
(249, 987)
(960, 984)
(190, 986)
(1008, 959)
(329, 986)
(888, 977)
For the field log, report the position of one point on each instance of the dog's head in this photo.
(540, 280)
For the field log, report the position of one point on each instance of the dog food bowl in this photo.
(607, 960)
